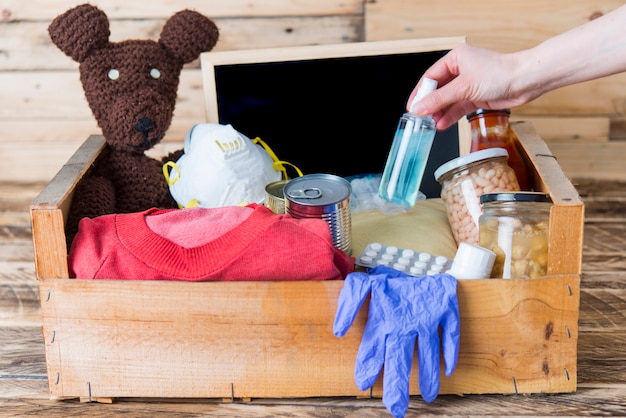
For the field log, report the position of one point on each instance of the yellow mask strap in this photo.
(278, 165)
(166, 173)
(192, 204)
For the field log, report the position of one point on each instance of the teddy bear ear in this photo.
(79, 31)
(188, 33)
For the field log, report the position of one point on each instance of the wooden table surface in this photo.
(601, 347)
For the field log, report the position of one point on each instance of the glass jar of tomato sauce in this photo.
(491, 129)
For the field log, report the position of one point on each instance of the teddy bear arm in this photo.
(172, 156)
(94, 196)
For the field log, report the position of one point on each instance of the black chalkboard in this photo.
(329, 115)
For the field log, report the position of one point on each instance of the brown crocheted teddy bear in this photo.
(131, 87)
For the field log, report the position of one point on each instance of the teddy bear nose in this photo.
(144, 125)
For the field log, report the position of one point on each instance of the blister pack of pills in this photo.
(408, 261)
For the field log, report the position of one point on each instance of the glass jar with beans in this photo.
(463, 180)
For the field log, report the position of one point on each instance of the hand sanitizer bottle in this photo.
(409, 153)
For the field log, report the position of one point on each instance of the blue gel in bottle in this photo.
(409, 153)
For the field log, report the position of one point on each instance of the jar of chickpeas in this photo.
(463, 180)
(515, 227)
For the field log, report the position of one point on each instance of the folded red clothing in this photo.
(200, 244)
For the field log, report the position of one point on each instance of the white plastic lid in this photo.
(428, 86)
(470, 158)
(472, 262)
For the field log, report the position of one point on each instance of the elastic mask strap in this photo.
(278, 165)
(166, 172)
(192, 204)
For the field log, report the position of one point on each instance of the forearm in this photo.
(595, 49)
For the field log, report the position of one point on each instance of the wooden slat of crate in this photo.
(274, 339)
(49, 211)
(567, 211)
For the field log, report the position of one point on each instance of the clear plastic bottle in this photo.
(409, 153)
(491, 129)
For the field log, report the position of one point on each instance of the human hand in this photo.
(402, 308)
(470, 78)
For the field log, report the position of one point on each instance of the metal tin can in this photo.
(275, 197)
(323, 196)
(515, 226)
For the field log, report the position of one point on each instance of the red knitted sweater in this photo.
(259, 245)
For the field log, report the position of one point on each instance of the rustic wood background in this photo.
(44, 117)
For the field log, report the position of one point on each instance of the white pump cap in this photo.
(428, 86)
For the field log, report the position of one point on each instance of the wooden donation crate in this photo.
(109, 339)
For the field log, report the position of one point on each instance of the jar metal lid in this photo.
(472, 157)
(486, 111)
(535, 197)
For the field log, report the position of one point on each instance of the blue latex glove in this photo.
(402, 308)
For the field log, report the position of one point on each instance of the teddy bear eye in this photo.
(114, 74)
(155, 73)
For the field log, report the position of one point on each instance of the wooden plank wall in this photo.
(583, 124)
(43, 114)
(44, 117)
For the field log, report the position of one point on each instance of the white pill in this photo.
(416, 271)
(392, 250)
(400, 267)
(420, 265)
(371, 253)
(404, 261)
(408, 253)
(387, 257)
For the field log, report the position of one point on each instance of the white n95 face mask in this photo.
(220, 167)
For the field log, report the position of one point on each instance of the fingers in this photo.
(355, 288)
(371, 355)
(398, 360)
(451, 114)
(428, 359)
(468, 78)
(450, 338)
(450, 324)
(444, 71)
